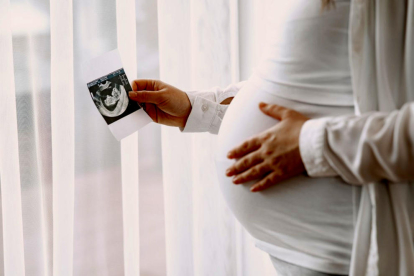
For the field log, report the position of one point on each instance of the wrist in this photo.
(188, 103)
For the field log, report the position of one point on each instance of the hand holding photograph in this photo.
(108, 86)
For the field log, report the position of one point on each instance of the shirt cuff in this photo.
(311, 145)
(191, 97)
(205, 115)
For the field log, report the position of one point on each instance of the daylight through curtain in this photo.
(205, 44)
(69, 190)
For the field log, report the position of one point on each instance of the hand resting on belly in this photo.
(272, 155)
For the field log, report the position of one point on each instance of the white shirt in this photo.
(306, 55)
(378, 146)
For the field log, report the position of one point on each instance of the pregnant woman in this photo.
(307, 225)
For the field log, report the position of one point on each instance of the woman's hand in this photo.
(164, 103)
(272, 155)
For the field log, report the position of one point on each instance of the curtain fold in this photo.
(126, 34)
(63, 135)
(199, 48)
(13, 247)
(215, 231)
(173, 32)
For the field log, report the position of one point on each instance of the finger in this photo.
(252, 173)
(270, 180)
(276, 111)
(151, 110)
(244, 164)
(144, 84)
(154, 97)
(245, 148)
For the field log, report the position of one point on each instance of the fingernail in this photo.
(228, 172)
(229, 155)
(132, 94)
(262, 104)
(235, 180)
(253, 189)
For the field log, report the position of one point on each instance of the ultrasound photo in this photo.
(110, 95)
(108, 86)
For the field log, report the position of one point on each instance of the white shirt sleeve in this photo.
(361, 149)
(207, 113)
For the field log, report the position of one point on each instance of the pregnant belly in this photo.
(308, 216)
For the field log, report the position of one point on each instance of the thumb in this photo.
(276, 111)
(143, 96)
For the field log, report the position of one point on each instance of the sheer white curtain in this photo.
(205, 44)
(69, 190)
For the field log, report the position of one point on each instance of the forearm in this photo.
(361, 149)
